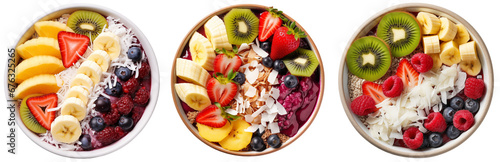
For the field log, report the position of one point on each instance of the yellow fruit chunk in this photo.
(238, 138)
(214, 134)
(39, 46)
(40, 84)
(38, 65)
(50, 28)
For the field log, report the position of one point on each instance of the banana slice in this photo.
(91, 69)
(472, 67)
(78, 92)
(82, 80)
(436, 61)
(108, 42)
(215, 30)
(431, 44)
(430, 23)
(448, 30)
(75, 107)
(468, 51)
(462, 35)
(194, 96)
(201, 51)
(66, 129)
(191, 72)
(101, 58)
(449, 53)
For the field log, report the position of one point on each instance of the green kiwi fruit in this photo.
(242, 26)
(401, 31)
(368, 58)
(88, 23)
(301, 62)
(28, 119)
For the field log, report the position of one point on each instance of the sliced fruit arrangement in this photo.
(248, 78)
(430, 95)
(72, 70)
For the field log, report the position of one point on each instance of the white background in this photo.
(331, 24)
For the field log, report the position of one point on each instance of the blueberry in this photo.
(258, 133)
(86, 142)
(457, 103)
(114, 91)
(452, 132)
(102, 104)
(135, 54)
(257, 144)
(425, 143)
(123, 73)
(274, 141)
(126, 123)
(291, 81)
(239, 78)
(448, 114)
(471, 105)
(279, 66)
(266, 46)
(267, 62)
(97, 123)
(435, 140)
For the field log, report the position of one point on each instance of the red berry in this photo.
(363, 105)
(142, 96)
(435, 122)
(422, 62)
(125, 104)
(474, 88)
(112, 116)
(413, 138)
(393, 86)
(137, 113)
(463, 120)
(145, 70)
(106, 136)
(130, 86)
(119, 133)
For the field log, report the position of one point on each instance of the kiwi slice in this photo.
(242, 26)
(368, 58)
(28, 119)
(401, 31)
(301, 62)
(88, 23)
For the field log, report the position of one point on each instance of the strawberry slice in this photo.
(215, 116)
(226, 61)
(374, 90)
(39, 106)
(286, 39)
(407, 73)
(221, 89)
(72, 46)
(269, 21)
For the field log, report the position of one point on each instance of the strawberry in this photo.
(407, 73)
(269, 21)
(39, 106)
(72, 46)
(286, 40)
(221, 89)
(226, 61)
(374, 90)
(214, 116)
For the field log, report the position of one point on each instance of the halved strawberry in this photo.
(407, 73)
(39, 106)
(214, 116)
(269, 21)
(72, 46)
(221, 89)
(226, 61)
(374, 90)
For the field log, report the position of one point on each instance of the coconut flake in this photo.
(260, 110)
(243, 47)
(252, 128)
(275, 92)
(231, 111)
(251, 75)
(259, 51)
(274, 127)
(272, 77)
(251, 91)
(280, 108)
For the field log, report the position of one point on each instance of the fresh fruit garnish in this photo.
(141, 97)
(266, 46)
(457, 103)
(82, 80)
(368, 58)
(123, 73)
(75, 107)
(194, 96)
(39, 106)
(452, 132)
(134, 53)
(472, 105)
(39, 46)
(201, 51)
(102, 104)
(50, 28)
(97, 123)
(392, 86)
(363, 105)
(269, 21)
(462, 35)
(449, 53)
(291, 81)
(86, 142)
(72, 46)
(27, 117)
(221, 89)
(286, 39)
(274, 141)
(238, 138)
(37, 65)
(112, 116)
(40, 84)
(101, 58)
(301, 62)
(106, 136)
(406, 72)
(109, 42)
(280, 66)
(448, 30)
(435, 122)
(448, 114)
(257, 144)
(88, 23)
(474, 88)
(431, 44)
(78, 92)
(215, 30)
(214, 116)
(92, 70)
(116, 90)
(227, 61)
(472, 67)
(191, 72)
(242, 26)
(401, 31)
(430, 22)
(468, 51)
(267, 62)
(435, 139)
(463, 120)
(422, 62)
(214, 134)
(126, 123)
(373, 90)
(66, 129)
(124, 104)
(413, 138)
(239, 78)
(436, 61)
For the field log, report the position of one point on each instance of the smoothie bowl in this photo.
(247, 80)
(416, 80)
(84, 80)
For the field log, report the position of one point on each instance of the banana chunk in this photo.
(101, 58)
(75, 107)
(192, 72)
(66, 129)
(201, 51)
(448, 30)
(430, 23)
(215, 30)
(78, 92)
(468, 51)
(431, 44)
(92, 70)
(108, 42)
(194, 96)
(82, 80)
(472, 67)
(449, 53)
(462, 35)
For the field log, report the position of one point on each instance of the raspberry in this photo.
(293, 101)
(144, 70)
(393, 86)
(137, 113)
(463, 120)
(119, 133)
(125, 104)
(106, 136)
(142, 96)
(413, 138)
(435, 122)
(363, 105)
(112, 116)
(474, 88)
(130, 86)
(422, 62)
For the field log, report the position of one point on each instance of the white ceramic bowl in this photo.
(155, 83)
(487, 75)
